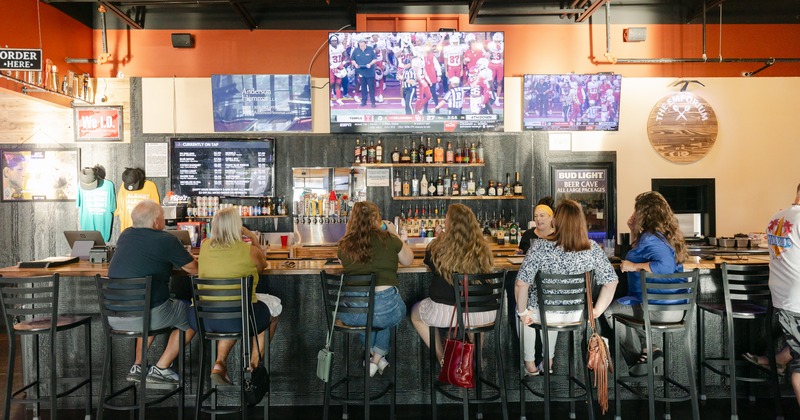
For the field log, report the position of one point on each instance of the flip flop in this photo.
(752, 358)
(219, 375)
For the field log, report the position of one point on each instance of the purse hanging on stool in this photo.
(457, 359)
(256, 382)
(325, 356)
(599, 359)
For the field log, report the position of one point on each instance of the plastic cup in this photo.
(284, 241)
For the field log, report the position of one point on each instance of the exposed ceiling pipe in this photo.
(573, 5)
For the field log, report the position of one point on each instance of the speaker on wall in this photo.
(182, 41)
(634, 34)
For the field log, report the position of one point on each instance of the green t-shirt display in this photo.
(383, 263)
(96, 208)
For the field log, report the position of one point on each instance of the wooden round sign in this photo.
(682, 127)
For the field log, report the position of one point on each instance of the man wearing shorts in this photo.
(783, 239)
(146, 250)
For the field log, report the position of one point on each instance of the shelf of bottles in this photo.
(74, 86)
(249, 207)
(427, 221)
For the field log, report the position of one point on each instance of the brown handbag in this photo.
(599, 359)
(457, 359)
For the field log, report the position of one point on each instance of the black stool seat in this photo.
(30, 307)
(740, 310)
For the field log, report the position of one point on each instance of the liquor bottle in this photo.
(446, 181)
(465, 153)
(517, 185)
(265, 208)
(513, 231)
(414, 152)
(396, 155)
(432, 187)
(371, 152)
(357, 151)
(480, 191)
(471, 184)
(364, 152)
(379, 152)
(492, 190)
(438, 152)
(398, 184)
(428, 152)
(421, 151)
(415, 185)
(440, 184)
(405, 157)
(464, 190)
(448, 156)
(509, 190)
(473, 154)
(423, 185)
(499, 188)
(406, 185)
(480, 152)
(455, 187)
(458, 155)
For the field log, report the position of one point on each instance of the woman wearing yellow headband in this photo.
(543, 217)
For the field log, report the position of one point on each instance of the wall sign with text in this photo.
(98, 123)
(20, 59)
(682, 127)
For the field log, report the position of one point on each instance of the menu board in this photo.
(223, 167)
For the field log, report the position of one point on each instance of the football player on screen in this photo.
(336, 58)
(480, 87)
(496, 52)
(453, 54)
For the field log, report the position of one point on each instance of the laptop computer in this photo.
(84, 235)
(182, 235)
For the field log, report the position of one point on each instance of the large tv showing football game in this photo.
(571, 102)
(416, 81)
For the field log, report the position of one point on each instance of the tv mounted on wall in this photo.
(424, 82)
(223, 167)
(571, 102)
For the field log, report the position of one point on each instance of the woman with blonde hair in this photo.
(657, 246)
(225, 255)
(461, 248)
(567, 251)
(367, 248)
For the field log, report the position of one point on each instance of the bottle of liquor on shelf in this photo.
(423, 185)
(480, 191)
(439, 184)
(406, 185)
(499, 190)
(473, 154)
(396, 155)
(480, 152)
(448, 154)
(509, 189)
(464, 190)
(465, 153)
(455, 186)
(406, 156)
(517, 185)
(513, 231)
(266, 208)
(379, 152)
(414, 152)
(397, 187)
(446, 182)
(414, 184)
(432, 187)
(438, 152)
(421, 150)
(371, 152)
(364, 153)
(471, 184)
(458, 156)
(428, 152)
(492, 190)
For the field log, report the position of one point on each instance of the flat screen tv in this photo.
(223, 167)
(571, 102)
(261, 102)
(423, 81)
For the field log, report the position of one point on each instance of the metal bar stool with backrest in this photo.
(558, 294)
(130, 298)
(662, 293)
(225, 299)
(483, 293)
(746, 296)
(357, 294)
(30, 308)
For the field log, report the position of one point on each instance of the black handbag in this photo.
(256, 381)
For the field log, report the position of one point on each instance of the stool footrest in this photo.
(372, 397)
(626, 382)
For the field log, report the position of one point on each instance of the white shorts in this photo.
(439, 315)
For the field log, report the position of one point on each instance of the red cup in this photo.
(284, 241)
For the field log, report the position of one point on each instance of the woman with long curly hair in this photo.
(461, 248)
(366, 248)
(657, 246)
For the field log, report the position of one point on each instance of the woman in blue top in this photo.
(658, 247)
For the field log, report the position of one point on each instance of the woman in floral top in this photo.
(567, 251)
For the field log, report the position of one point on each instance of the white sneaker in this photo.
(339, 101)
(358, 99)
(379, 367)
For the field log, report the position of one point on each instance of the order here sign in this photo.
(20, 59)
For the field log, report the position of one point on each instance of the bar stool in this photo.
(358, 290)
(485, 294)
(564, 293)
(746, 296)
(30, 308)
(226, 299)
(130, 298)
(678, 292)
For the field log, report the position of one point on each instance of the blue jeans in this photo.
(389, 311)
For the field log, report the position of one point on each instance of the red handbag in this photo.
(457, 359)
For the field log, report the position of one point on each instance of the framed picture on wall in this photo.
(98, 123)
(40, 174)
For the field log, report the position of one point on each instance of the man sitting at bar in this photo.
(145, 250)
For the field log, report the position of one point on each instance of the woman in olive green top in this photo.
(364, 249)
(225, 255)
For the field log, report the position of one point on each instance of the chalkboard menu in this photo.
(223, 167)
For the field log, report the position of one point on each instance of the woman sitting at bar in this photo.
(657, 247)
(225, 255)
(567, 251)
(461, 248)
(367, 248)
(543, 219)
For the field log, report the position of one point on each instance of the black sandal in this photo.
(640, 367)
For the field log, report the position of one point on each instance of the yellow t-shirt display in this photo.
(127, 200)
(227, 263)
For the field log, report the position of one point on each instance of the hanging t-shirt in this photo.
(783, 239)
(127, 200)
(96, 208)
